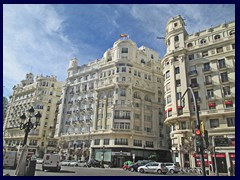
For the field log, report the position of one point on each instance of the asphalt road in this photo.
(81, 171)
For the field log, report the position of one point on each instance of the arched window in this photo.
(217, 37)
(203, 41)
(189, 45)
(176, 38)
(232, 33)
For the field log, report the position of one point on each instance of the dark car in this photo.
(135, 166)
(93, 163)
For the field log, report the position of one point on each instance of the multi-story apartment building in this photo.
(114, 106)
(204, 61)
(43, 95)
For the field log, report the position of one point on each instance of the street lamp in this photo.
(27, 126)
(102, 157)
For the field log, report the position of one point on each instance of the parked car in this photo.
(153, 167)
(93, 163)
(134, 167)
(78, 163)
(65, 163)
(172, 167)
(39, 161)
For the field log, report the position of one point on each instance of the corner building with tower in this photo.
(204, 61)
(112, 108)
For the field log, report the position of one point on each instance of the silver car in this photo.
(172, 167)
(153, 167)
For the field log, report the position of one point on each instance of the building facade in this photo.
(204, 61)
(112, 109)
(43, 95)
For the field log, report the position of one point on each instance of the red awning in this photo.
(179, 107)
(169, 109)
(228, 102)
(211, 104)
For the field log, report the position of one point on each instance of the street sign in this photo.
(222, 142)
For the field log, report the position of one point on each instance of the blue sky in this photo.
(42, 38)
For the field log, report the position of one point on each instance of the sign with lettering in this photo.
(222, 142)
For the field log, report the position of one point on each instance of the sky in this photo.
(42, 38)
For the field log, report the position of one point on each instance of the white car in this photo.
(65, 163)
(39, 161)
(78, 163)
(153, 167)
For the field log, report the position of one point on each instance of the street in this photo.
(80, 171)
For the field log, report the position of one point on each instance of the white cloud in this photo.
(33, 40)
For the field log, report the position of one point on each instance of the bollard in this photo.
(31, 168)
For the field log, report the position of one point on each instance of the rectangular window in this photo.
(178, 95)
(224, 77)
(167, 75)
(123, 92)
(137, 143)
(191, 57)
(226, 90)
(177, 70)
(124, 69)
(206, 67)
(221, 63)
(178, 82)
(230, 121)
(208, 79)
(204, 53)
(219, 50)
(124, 50)
(106, 142)
(183, 125)
(169, 99)
(210, 93)
(214, 123)
(145, 76)
(97, 142)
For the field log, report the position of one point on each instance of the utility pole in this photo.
(199, 143)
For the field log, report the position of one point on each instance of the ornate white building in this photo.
(204, 61)
(115, 106)
(43, 95)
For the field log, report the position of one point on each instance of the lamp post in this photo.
(197, 129)
(102, 157)
(27, 126)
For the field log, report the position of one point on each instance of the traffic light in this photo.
(206, 139)
(198, 136)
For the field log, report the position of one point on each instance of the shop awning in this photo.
(211, 104)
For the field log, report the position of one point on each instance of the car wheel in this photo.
(141, 170)
(159, 171)
(172, 171)
(43, 169)
(131, 169)
(76, 165)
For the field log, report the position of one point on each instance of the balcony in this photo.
(191, 73)
(207, 69)
(194, 85)
(122, 117)
(198, 99)
(208, 83)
